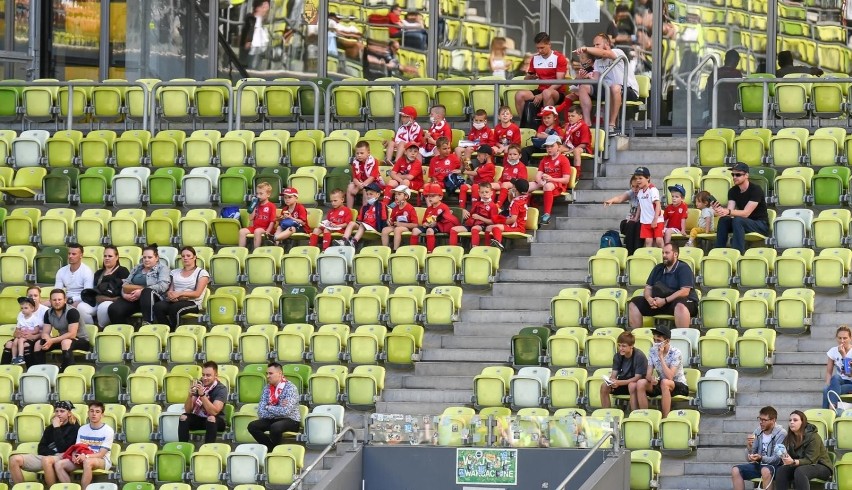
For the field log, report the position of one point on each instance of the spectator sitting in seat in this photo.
(278, 410)
(838, 367)
(372, 216)
(745, 213)
(513, 168)
(480, 134)
(786, 66)
(480, 171)
(667, 361)
(805, 457)
(144, 286)
(57, 437)
(293, 217)
(436, 219)
(506, 133)
(727, 94)
(262, 214)
(403, 218)
(705, 219)
(515, 220)
(335, 220)
(72, 335)
(547, 64)
(410, 132)
(605, 55)
(406, 172)
(762, 460)
(365, 171)
(74, 278)
(629, 365)
(204, 407)
(185, 291)
(553, 176)
(91, 451)
(438, 129)
(30, 357)
(670, 290)
(27, 331)
(482, 214)
(107, 285)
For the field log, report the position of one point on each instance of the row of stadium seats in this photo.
(822, 99)
(790, 147)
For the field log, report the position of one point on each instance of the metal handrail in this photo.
(609, 435)
(261, 83)
(69, 119)
(707, 59)
(625, 67)
(765, 82)
(297, 483)
(196, 84)
(398, 84)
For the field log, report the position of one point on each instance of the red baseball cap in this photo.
(409, 111)
(433, 190)
(289, 191)
(548, 109)
(412, 145)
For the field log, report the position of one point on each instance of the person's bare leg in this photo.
(615, 93)
(63, 468)
(682, 318)
(605, 391)
(89, 466)
(767, 477)
(642, 388)
(634, 317)
(632, 388)
(585, 96)
(16, 462)
(521, 98)
(666, 386)
(47, 467)
(737, 482)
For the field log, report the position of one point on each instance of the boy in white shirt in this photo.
(650, 209)
(97, 437)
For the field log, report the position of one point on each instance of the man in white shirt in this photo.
(92, 450)
(74, 278)
(605, 55)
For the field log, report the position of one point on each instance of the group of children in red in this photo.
(386, 209)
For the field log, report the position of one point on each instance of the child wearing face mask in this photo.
(373, 216)
(506, 133)
(480, 134)
(410, 132)
(440, 128)
(513, 168)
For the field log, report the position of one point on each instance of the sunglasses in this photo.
(738, 174)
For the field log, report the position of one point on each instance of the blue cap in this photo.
(373, 187)
(678, 188)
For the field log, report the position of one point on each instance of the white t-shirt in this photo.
(260, 37)
(647, 198)
(30, 325)
(705, 217)
(616, 75)
(834, 355)
(74, 282)
(188, 283)
(97, 439)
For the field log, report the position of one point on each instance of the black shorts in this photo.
(680, 389)
(621, 390)
(631, 94)
(646, 310)
(559, 100)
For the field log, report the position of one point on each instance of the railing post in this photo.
(707, 59)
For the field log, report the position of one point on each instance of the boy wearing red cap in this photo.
(365, 171)
(438, 217)
(407, 171)
(372, 216)
(443, 164)
(549, 126)
(335, 220)
(483, 171)
(506, 133)
(293, 217)
(440, 128)
(513, 168)
(553, 176)
(403, 218)
(480, 134)
(482, 214)
(578, 138)
(517, 219)
(409, 132)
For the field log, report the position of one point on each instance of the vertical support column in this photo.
(104, 45)
(33, 43)
(434, 41)
(213, 39)
(322, 39)
(771, 33)
(545, 18)
(189, 40)
(657, 65)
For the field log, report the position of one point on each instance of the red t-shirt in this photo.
(518, 208)
(436, 131)
(555, 167)
(414, 169)
(579, 134)
(508, 135)
(368, 215)
(300, 213)
(264, 214)
(484, 136)
(340, 216)
(441, 167)
(442, 215)
(364, 170)
(404, 214)
(484, 173)
(674, 215)
(393, 19)
(410, 134)
(560, 131)
(546, 68)
(485, 209)
(510, 172)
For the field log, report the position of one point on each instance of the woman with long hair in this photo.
(146, 284)
(838, 366)
(185, 291)
(804, 455)
(57, 437)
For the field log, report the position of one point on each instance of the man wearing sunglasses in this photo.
(745, 213)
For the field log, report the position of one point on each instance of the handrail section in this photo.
(765, 82)
(707, 59)
(609, 435)
(397, 86)
(189, 83)
(259, 83)
(297, 482)
(69, 119)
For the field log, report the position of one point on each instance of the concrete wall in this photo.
(613, 473)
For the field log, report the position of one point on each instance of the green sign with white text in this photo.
(486, 466)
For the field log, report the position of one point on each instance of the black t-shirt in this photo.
(628, 367)
(753, 193)
(73, 316)
(681, 276)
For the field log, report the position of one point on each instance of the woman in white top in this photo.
(497, 59)
(837, 368)
(185, 291)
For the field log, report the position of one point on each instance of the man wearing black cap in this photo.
(670, 290)
(745, 213)
(667, 362)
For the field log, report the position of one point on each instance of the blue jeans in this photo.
(836, 384)
(738, 227)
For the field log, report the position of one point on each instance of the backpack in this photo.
(611, 238)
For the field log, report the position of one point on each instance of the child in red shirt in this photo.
(440, 128)
(409, 132)
(513, 168)
(675, 213)
(482, 214)
(506, 133)
(407, 171)
(371, 217)
(403, 218)
(553, 176)
(578, 138)
(293, 217)
(549, 126)
(517, 219)
(335, 220)
(261, 215)
(438, 217)
(443, 164)
(480, 134)
(482, 172)
(365, 171)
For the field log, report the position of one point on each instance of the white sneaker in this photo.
(689, 244)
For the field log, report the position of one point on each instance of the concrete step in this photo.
(696, 482)
(505, 330)
(471, 369)
(488, 316)
(612, 183)
(467, 342)
(797, 372)
(791, 385)
(533, 288)
(844, 305)
(516, 303)
(547, 263)
(454, 397)
(806, 358)
(830, 318)
(594, 195)
(415, 408)
(438, 382)
(559, 250)
(497, 356)
(592, 223)
(559, 276)
(567, 236)
(605, 213)
(808, 399)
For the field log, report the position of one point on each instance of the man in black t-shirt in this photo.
(745, 213)
(204, 407)
(670, 290)
(629, 365)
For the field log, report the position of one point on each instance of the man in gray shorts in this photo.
(57, 437)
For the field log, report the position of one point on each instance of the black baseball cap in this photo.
(523, 185)
(740, 167)
(643, 171)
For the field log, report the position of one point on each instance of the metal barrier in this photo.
(707, 59)
(189, 83)
(259, 83)
(69, 119)
(297, 483)
(610, 435)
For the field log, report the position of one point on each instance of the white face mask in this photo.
(485, 201)
(371, 201)
(409, 123)
(478, 125)
(513, 162)
(657, 345)
(431, 119)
